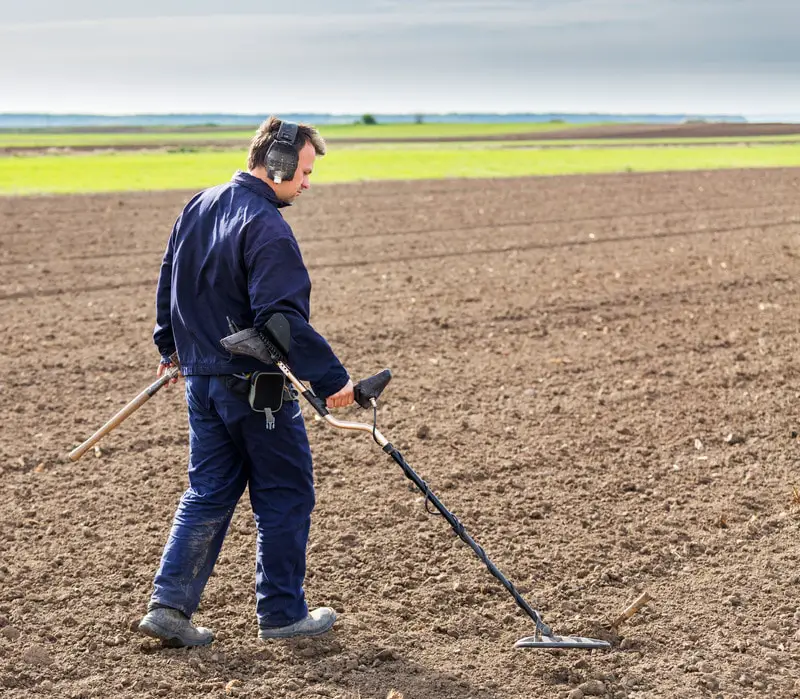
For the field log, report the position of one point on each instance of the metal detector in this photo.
(271, 346)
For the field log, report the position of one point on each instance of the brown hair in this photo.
(265, 135)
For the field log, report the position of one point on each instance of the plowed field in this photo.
(598, 375)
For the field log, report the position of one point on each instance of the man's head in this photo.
(308, 144)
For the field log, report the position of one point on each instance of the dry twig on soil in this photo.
(632, 608)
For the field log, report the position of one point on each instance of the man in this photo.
(231, 258)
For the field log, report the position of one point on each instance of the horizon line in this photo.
(388, 113)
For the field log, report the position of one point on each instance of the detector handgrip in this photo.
(371, 388)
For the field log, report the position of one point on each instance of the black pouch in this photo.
(267, 394)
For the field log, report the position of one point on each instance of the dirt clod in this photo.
(386, 655)
(593, 688)
(36, 655)
(10, 633)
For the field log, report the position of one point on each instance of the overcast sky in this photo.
(354, 56)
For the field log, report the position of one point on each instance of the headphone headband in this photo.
(287, 133)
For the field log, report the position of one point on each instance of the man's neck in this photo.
(260, 173)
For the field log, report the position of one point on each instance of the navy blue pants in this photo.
(230, 448)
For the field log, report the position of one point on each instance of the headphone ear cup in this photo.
(281, 162)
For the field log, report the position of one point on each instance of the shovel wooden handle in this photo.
(129, 409)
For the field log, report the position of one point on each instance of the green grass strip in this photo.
(158, 170)
(50, 139)
(595, 143)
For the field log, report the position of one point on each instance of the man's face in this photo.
(289, 190)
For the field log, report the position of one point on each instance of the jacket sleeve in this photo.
(278, 282)
(162, 334)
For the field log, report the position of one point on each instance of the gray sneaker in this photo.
(174, 629)
(317, 622)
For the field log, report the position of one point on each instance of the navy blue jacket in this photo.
(231, 254)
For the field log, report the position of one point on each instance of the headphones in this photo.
(281, 159)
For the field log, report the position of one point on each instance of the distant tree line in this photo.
(370, 120)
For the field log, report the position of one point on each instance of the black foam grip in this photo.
(316, 401)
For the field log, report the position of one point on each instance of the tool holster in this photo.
(268, 391)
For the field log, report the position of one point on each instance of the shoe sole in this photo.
(168, 638)
(295, 634)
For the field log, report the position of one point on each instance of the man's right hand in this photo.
(342, 398)
(162, 368)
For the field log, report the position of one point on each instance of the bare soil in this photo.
(598, 375)
(687, 130)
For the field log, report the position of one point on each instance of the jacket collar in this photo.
(245, 179)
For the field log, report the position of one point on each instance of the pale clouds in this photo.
(735, 56)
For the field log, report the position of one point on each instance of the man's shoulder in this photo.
(242, 209)
(269, 220)
(230, 196)
(206, 196)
